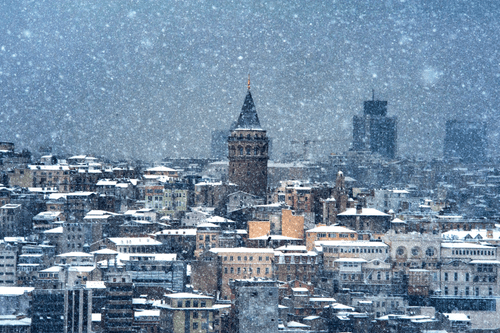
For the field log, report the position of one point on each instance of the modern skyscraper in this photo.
(218, 145)
(374, 131)
(248, 151)
(465, 140)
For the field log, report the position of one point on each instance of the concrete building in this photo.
(62, 311)
(255, 306)
(374, 131)
(118, 314)
(214, 269)
(465, 140)
(187, 313)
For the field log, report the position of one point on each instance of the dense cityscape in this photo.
(362, 241)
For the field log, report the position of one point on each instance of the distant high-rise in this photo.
(218, 145)
(465, 140)
(374, 131)
(248, 151)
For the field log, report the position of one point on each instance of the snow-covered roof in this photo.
(465, 245)
(296, 324)
(161, 169)
(330, 228)
(180, 232)
(134, 241)
(301, 248)
(15, 291)
(187, 295)
(274, 237)
(74, 254)
(457, 316)
(490, 262)
(106, 182)
(81, 269)
(218, 219)
(364, 212)
(105, 251)
(58, 230)
(241, 250)
(95, 285)
(147, 313)
(351, 260)
(49, 167)
(53, 269)
(360, 243)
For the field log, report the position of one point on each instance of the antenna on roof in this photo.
(248, 81)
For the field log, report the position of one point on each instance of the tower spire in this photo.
(373, 94)
(248, 82)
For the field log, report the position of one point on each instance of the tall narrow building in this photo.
(374, 131)
(248, 151)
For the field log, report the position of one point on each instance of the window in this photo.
(467, 277)
(429, 252)
(225, 258)
(232, 270)
(239, 258)
(179, 304)
(195, 326)
(188, 304)
(260, 258)
(258, 270)
(467, 291)
(477, 291)
(446, 276)
(225, 270)
(446, 290)
(195, 314)
(239, 270)
(267, 258)
(267, 270)
(456, 291)
(195, 304)
(231, 258)
(455, 276)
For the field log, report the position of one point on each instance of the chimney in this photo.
(489, 233)
(359, 209)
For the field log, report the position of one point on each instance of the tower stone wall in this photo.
(248, 151)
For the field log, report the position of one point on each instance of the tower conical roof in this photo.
(248, 118)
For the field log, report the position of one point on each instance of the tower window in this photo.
(248, 149)
(256, 151)
(240, 150)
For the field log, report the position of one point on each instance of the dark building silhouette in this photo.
(218, 145)
(248, 151)
(465, 140)
(374, 131)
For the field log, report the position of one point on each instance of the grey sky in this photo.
(149, 79)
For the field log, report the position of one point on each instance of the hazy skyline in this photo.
(152, 79)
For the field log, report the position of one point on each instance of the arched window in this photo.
(256, 151)
(248, 150)
(240, 149)
(248, 136)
